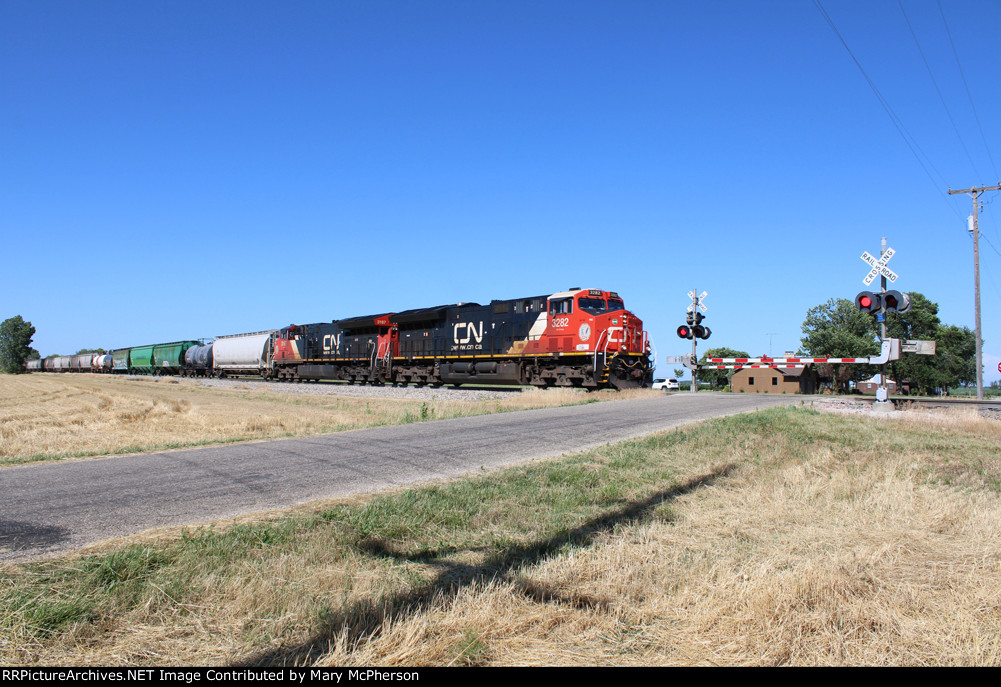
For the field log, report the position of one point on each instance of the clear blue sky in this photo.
(190, 169)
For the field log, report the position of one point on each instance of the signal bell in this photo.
(694, 318)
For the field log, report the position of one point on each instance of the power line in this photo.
(990, 243)
(909, 140)
(969, 95)
(938, 90)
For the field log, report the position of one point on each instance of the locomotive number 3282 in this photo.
(560, 322)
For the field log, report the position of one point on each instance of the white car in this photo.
(666, 384)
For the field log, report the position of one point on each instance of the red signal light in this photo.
(684, 332)
(868, 302)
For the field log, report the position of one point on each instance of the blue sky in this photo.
(190, 169)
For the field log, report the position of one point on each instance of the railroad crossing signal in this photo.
(887, 301)
(693, 328)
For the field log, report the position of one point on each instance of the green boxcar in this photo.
(169, 358)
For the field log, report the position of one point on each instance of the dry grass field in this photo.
(52, 416)
(782, 537)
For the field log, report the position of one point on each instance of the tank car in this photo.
(198, 361)
(102, 363)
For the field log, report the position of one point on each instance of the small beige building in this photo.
(772, 380)
(869, 386)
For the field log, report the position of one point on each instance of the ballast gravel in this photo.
(844, 406)
(412, 393)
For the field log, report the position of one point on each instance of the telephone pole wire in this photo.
(975, 193)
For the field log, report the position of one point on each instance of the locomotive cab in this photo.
(285, 347)
(593, 321)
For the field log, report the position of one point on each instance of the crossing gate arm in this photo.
(738, 366)
(888, 350)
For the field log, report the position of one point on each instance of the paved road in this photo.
(54, 507)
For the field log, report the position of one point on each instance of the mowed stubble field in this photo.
(785, 536)
(58, 416)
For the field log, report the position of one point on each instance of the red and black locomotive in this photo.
(579, 338)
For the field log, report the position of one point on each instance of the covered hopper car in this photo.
(242, 354)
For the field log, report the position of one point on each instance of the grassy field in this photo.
(48, 417)
(780, 537)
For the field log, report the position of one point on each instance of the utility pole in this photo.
(975, 194)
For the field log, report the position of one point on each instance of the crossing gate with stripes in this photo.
(889, 350)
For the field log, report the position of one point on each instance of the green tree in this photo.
(719, 378)
(679, 372)
(837, 329)
(15, 344)
(920, 322)
(956, 349)
(954, 362)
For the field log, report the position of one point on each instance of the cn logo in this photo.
(331, 343)
(469, 332)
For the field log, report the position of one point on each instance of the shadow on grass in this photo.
(363, 620)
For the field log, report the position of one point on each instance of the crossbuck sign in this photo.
(699, 300)
(879, 267)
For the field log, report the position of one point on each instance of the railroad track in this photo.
(944, 402)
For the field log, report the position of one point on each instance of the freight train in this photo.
(577, 338)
